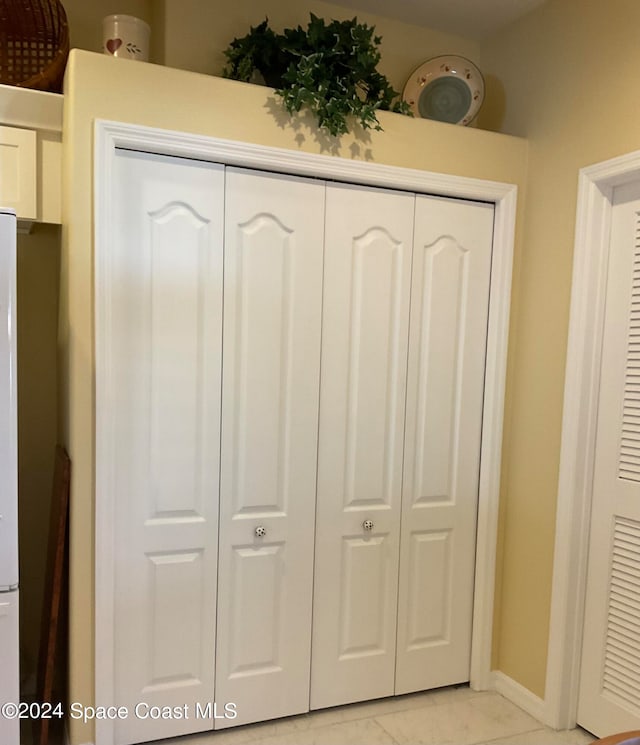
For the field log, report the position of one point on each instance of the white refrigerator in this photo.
(9, 646)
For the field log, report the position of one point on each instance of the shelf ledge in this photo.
(23, 107)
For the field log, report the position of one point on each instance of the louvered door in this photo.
(610, 673)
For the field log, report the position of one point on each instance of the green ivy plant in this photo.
(329, 68)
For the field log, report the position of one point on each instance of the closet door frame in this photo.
(110, 136)
(596, 184)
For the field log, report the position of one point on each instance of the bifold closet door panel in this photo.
(369, 234)
(272, 317)
(447, 346)
(160, 424)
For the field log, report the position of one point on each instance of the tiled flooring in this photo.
(449, 716)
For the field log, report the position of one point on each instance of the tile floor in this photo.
(449, 716)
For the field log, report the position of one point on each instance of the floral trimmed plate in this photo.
(447, 89)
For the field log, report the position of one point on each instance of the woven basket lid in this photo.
(34, 43)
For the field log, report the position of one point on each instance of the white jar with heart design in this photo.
(125, 36)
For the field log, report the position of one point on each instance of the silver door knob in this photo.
(261, 531)
(368, 524)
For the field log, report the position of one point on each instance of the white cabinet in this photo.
(291, 378)
(31, 154)
(18, 182)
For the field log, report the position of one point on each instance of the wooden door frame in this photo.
(111, 135)
(577, 454)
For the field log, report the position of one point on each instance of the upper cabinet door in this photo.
(449, 311)
(18, 171)
(159, 432)
(369, 236)
(272, 316)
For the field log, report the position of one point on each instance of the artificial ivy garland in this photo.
(329, 68)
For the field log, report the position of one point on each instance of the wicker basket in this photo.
(34, 43)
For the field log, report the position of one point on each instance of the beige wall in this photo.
(38, 270)
(196, 33)
(192, 34)
(100, 87)
(568, 74)
(562, 77)
(85, 18)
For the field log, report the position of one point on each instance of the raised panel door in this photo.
(163, 367)
(272, 316)
(445, 384)
(368, 238)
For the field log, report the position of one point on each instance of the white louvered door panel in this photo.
(610, 674)
(367, 275)
(162, 357)
(447, 345)
(272, 316)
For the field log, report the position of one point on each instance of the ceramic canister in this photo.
(125, 36)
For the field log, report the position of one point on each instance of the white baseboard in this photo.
(522, 697)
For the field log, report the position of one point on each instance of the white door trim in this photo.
(108, 137)
(577, 454)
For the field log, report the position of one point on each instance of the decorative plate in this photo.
(447, 89)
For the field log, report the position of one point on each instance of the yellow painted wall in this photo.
(565, 77)
(198, 45)
(85, 18)
(38, 262)
(192, 34)
(100, 87)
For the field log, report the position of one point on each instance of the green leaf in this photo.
(329, 68)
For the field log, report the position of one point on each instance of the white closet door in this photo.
(272, 316)
(162, 357)
(447, 345)
(369, 236)
(609, 698)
